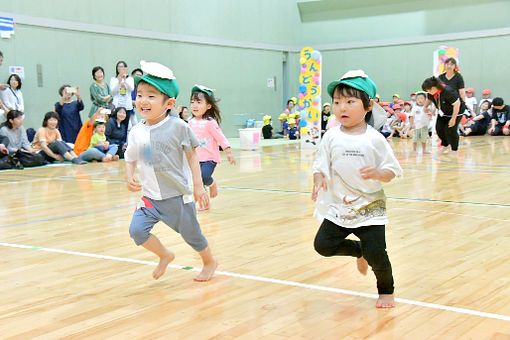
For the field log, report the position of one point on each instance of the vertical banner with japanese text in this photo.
(309, 102)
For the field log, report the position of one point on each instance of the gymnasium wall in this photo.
(231, 48)
(235, 46)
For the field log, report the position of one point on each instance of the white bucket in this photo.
(249, 139)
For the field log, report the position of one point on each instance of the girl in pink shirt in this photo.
(206, 114)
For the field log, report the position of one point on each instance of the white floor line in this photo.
(275, 281)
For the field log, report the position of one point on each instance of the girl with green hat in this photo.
(352, 162)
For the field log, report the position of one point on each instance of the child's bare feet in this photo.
(207, 272)
(213, 190)
(163, 263)
(385, 301)
(116, 158)
(107, 158)
(362, 265)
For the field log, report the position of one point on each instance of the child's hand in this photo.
(319, 182)
(78, 95)
(134, 185)
(369, 172)
(231, 159)
(106, 145)
(201, 197)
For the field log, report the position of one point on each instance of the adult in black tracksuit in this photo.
(449, 104)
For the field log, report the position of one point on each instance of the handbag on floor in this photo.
(29, 159)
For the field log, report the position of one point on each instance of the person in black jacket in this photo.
(116, 130)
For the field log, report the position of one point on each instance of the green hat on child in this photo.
(202, 88)
(159, 76)
(356, 79)
(360, 81)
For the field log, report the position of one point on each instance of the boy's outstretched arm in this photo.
(319, 182)
(198, 187)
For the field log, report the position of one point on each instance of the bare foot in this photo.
(362, 265)
(116, 157)
(385, 301)
(207, 272)
(107, 158)
(163, 263)
(213, 190)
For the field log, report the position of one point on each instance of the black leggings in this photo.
(331, 241)
(448, 135)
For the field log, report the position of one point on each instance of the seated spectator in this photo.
(18, 142)
(69, 119)
(184, 113)
(267, 129)
(386, 128)
(98, 141)
(12, 98)
(398, 125)
(292, 130)
(291, 107)
(395, 99)
(500, 122)
(486, 95)
(326, 112)
(49, 140)
(116, 130)
(81, 145)
(471, 102)
(283, 120)
(479, 124)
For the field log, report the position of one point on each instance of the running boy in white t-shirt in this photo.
(162, 147)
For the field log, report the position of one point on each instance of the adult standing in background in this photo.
(99, 91)
(450, 106)
(453, 78)
(122, 85)
(12, 97)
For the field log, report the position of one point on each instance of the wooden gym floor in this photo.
(68, 268)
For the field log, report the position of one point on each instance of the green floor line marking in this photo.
(426, 200)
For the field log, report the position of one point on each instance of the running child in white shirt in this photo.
(162, 147)
(352, 161)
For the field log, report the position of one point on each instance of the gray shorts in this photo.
(173, 212)
(421, 134)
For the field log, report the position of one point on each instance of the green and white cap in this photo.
(159, 76)
(359, 80)
(204, 89)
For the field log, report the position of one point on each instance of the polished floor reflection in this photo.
(69, 269)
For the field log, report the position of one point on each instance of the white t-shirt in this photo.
(121, 92)
(421, 119)
(159, 152)
(470, 103)
(350, 200)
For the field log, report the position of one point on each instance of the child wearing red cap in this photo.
(352, 162)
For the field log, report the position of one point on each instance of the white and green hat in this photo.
(359, 80)
(204, 89)
(159, 76)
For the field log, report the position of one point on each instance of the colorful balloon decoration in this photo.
(310, 96)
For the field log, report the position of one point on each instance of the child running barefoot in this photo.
(353, 160)
(205, 124)
(162, 147)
